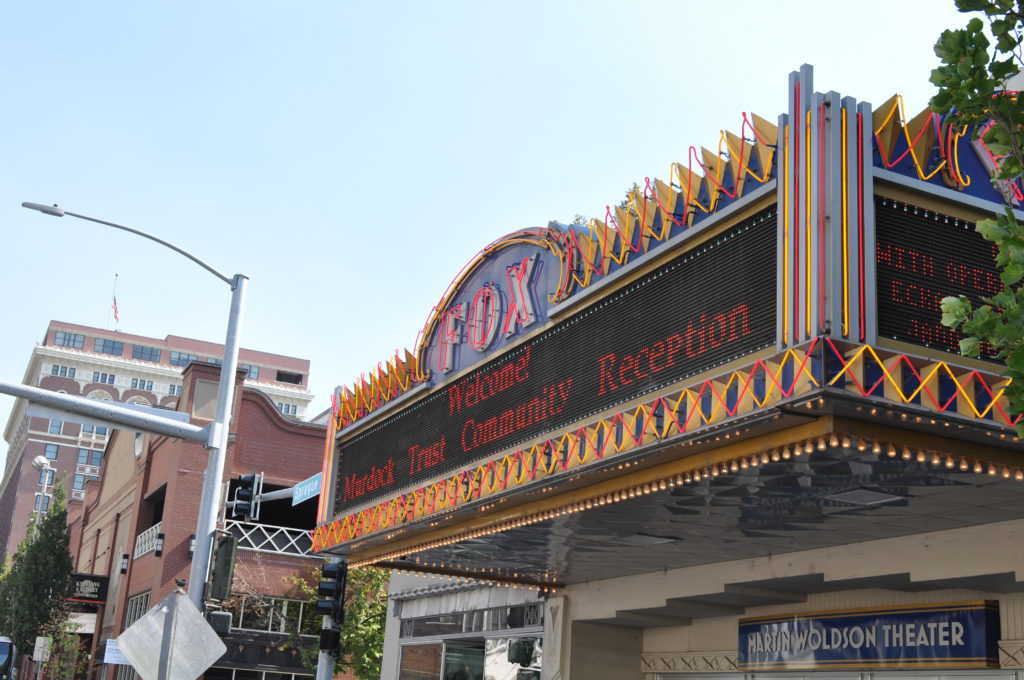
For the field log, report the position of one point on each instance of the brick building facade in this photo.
(137, 523)
(110, 365)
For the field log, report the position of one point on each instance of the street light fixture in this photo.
(218, 438)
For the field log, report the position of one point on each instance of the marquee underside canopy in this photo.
(823, 471)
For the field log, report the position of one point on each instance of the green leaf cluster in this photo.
(971, 80)
(366, 606)
(972, 74)
(66, 661)
(999, 322)
(34, 588)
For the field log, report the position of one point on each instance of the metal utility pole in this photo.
(217, 441)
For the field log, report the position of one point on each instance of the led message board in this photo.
(924, 256)
(708, 306)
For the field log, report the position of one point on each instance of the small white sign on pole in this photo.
(112, 654)
(41, 651)
(172, 641)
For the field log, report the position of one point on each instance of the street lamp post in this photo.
(46, 471)
(218, 439)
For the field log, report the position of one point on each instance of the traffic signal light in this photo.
(331, 591)
(223, 568)
(245, 496)
(330, 640)
(331, 602)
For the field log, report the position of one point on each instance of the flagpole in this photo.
(113, 306)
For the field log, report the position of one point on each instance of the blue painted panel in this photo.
(952, 635)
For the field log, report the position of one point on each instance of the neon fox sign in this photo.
(478, 322)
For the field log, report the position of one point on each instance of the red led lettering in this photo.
(614, 372)
(915, 296)
(643, 358)
(483, 386)
(935, 335)
(656, 351)
(906, 259)
(421, 458)
(553, 400)
(627, 370)
(358, 485)
(606, 381)
(985, 282)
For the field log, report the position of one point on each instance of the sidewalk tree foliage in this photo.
(971, 91)
(34, 587)
(366, 606)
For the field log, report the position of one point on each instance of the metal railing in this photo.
(271, 539)
(146, 541)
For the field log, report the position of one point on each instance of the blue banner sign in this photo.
(950, 635)
(306, 489)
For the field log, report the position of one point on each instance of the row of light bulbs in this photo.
(732, 466)
(540, 587)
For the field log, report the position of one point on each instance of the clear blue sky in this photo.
(351, 157)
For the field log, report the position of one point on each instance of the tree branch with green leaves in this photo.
(972, 93)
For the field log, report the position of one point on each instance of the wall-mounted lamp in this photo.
(124, 563)
(191, 545)
(159, 545)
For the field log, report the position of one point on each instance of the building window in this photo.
(215, 362)
(73, 340)
(182, 358)
(42, 502)
(98, 429)
(174, 390)
(55, 426)
(89, 457)
(106, 378)
(273, 614)
(62, 371)
(134, 609)
(251, 372)
(287, 409)
(291, 378)
(46, 477)
(80, 480)
(145, 353)
(51, 451)
(142, 384)
(104, 346)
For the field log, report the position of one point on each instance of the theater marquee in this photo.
(708, 306)
(787, 259)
